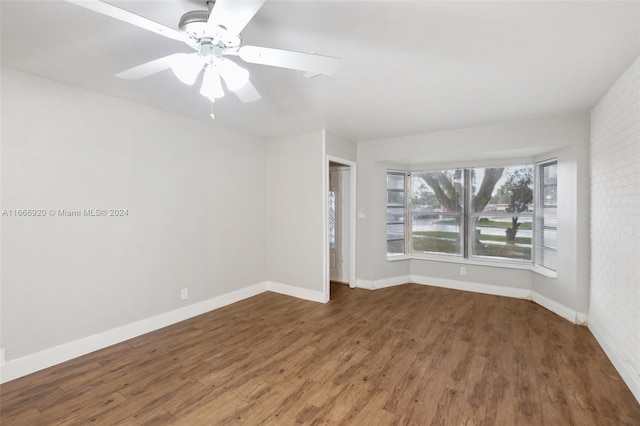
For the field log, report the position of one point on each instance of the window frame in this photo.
(460, 214)
(470, 215)
(539, 216)
(406, 175)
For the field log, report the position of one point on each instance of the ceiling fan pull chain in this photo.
(211, 115)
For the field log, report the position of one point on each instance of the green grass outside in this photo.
(486, 224)
(446, 242)
(436, 245)
(437, 234)
(396, 247)
(481, 237)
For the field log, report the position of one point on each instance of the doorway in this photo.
(341, 222)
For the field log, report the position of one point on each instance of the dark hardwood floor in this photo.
(410, 354)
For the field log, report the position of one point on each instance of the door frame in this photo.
(351, 256)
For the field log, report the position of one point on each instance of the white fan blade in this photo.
(234, 76)
(132, 18)
(248, 93)
(148, 68)
(289, 59)
(233, 15)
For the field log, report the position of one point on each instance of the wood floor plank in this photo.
(406, 355)
(373, 413)
(283, 404)
(149, 416)
(104, 409)
(25, 416)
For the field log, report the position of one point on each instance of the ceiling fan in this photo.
(214, 34)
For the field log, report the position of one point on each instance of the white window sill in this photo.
(544, 271)
(475, 261)
(399, 257)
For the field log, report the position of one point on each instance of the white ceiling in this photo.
(408, 67)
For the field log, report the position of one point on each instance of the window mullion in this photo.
(465, 213)
(408, 220)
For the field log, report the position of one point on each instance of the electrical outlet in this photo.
(184, 293)
(463, 270)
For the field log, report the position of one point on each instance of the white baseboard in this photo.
(518, 293)
(300, 293)
(19, 367)
(16, 368)
(496, 290)
(366, 284)
(627, 372)
(559, 309)
(383, 283)
(582, 318)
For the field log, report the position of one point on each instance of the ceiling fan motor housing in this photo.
(194, 24)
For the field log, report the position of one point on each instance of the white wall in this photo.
(297, 224)
(195, 195)
(573, 232)
(614, 312)
(567, 137)
(340, 147)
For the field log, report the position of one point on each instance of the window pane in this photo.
(395, 214)
(549, 238)
(502, 189)
(502, 236)
(395, 197)
(395, 248)
(549, 259)
(439, 191)
(550, 216)
(395, 232)
(550, 174)
(395, 180)
(437, 234)
(550, 196)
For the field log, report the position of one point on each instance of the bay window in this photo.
(474, 213)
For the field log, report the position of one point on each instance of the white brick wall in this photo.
(614, 311)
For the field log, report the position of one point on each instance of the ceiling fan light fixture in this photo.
(187, 67)
(235, 77)
(211, 85)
